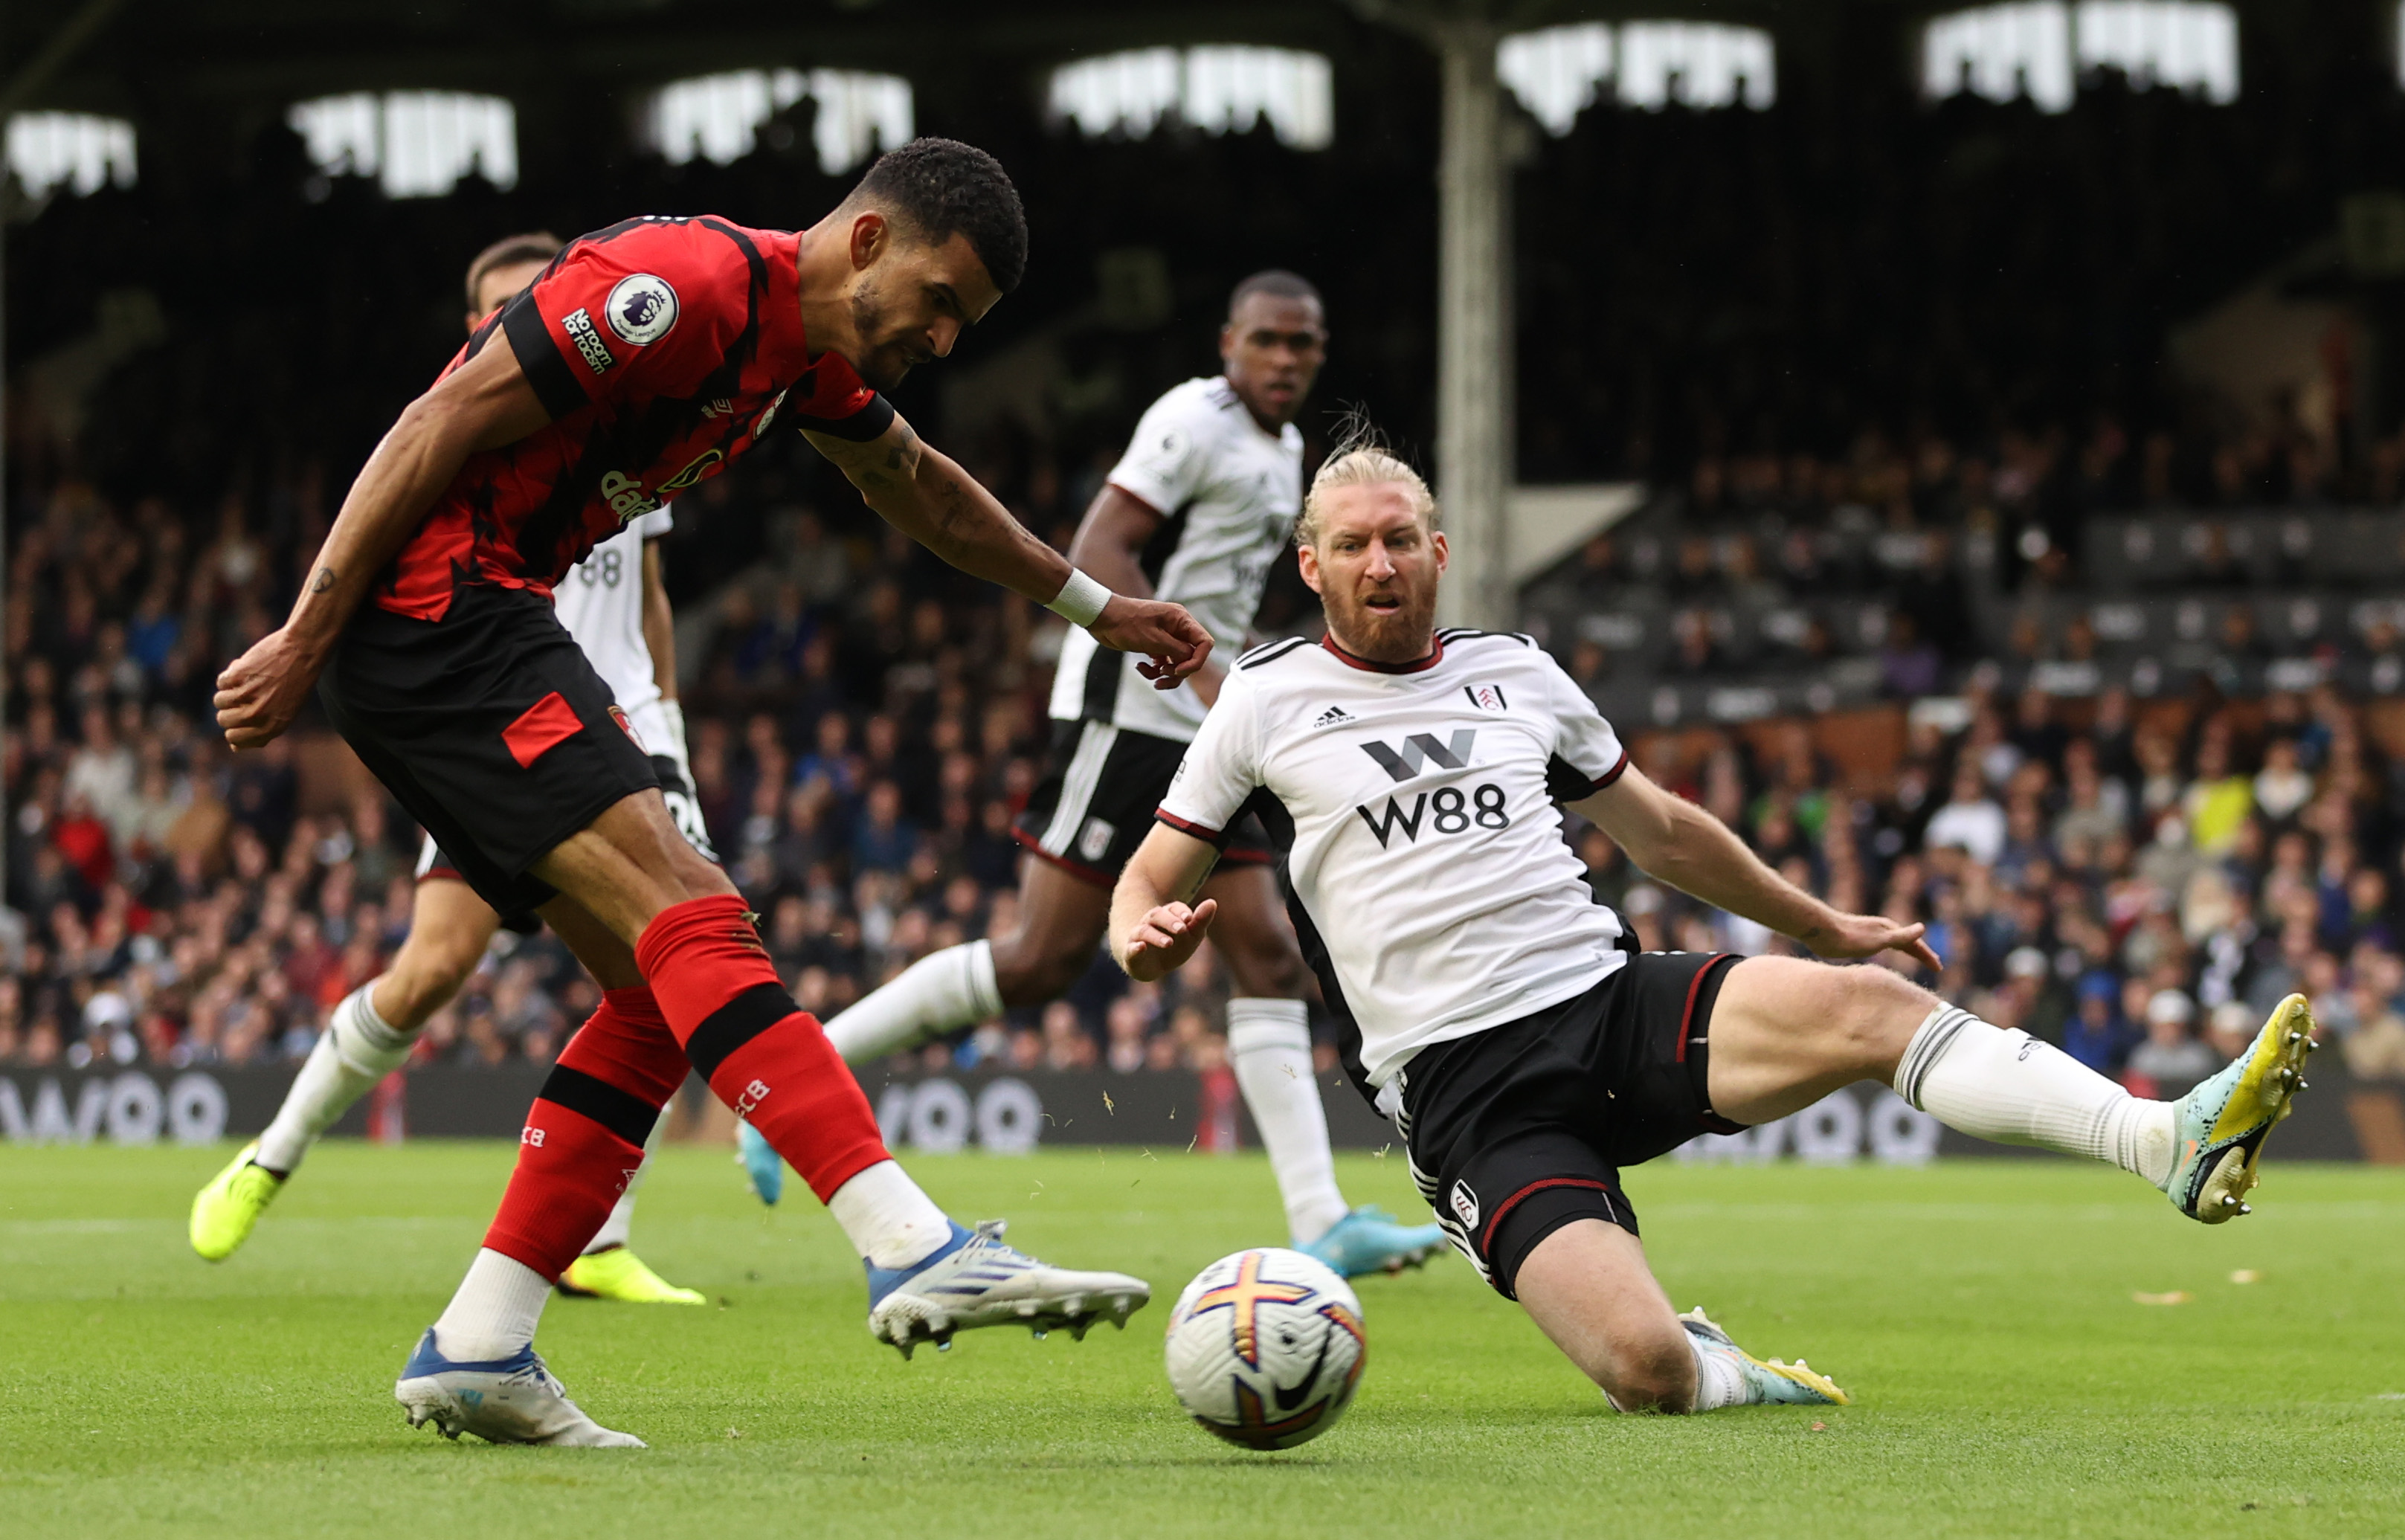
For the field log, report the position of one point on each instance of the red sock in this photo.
(584, 1137)
(763, 1055)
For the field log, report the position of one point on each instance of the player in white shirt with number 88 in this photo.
(1526, 1051)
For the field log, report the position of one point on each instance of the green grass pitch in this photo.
(2006, 1382)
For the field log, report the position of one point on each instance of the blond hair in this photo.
(1362, 458)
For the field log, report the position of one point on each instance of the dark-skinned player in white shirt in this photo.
(1197, 511)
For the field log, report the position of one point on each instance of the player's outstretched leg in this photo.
(1787, 1032)
(369, 1033)
(770, 1061)
(476, 1370)
(1061, 921)
(1587, 1286)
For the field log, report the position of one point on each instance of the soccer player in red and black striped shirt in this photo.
(645, 358)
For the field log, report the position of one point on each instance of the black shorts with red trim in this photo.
(1102, 785)
(491, 729)
(1518, 1130)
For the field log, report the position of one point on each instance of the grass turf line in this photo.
(1981, 1312)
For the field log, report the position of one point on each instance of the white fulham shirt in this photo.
(1230, 492)
(1418, 804)
(601, 602)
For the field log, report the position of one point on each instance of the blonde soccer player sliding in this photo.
(1414, 778)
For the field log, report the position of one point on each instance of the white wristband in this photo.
(1080, 600)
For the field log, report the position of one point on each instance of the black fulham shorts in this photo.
(1102, 785)
(491, 729)
(1516, 1131)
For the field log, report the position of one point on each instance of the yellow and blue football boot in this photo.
(1768, 1382)
(2221, 1124)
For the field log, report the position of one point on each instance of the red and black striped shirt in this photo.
(663, 349)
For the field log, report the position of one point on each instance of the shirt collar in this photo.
(1436, 656)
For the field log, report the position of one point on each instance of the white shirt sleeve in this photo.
(1165, 460)
(658, 521)
(1587, 754)
(1220, 770)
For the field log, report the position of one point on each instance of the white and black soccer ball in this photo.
(1265, 1348)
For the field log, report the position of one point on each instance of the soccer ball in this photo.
(1265, 1348)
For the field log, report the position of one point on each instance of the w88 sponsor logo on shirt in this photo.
(1446, 810)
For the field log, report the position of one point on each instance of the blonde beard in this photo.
(1416, 631)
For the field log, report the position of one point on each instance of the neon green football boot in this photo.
(619, 1274)
(225, 1211)
(2221, 1124)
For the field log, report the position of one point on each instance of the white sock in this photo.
(357, 1049)
(1719, 1382)
(614, 1229)
(495, 1312)
(2010, 1088)
(891, 1224)
(1269, 1042)
(953, 988)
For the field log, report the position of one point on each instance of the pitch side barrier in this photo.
(1010, 1113)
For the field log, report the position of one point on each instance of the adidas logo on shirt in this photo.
(1333, 715)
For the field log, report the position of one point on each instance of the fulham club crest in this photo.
(1487, 697)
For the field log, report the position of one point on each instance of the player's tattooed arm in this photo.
(484, 405)
(882, 468)
(927, 495)
(1671, 838)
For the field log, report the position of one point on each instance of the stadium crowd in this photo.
(865, 724)
(2136, 881)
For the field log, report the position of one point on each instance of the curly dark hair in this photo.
(941, 188)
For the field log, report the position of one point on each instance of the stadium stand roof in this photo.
(211, 74)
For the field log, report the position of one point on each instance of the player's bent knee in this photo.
(1852, 1013)
(422, 980)
(1030, 972)
(1656, 1374)
(1878, 1009)
(700, 876)
(1270, 973)
(1030, 968)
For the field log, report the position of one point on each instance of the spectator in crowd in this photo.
(1970, 820)
(2170, 1060)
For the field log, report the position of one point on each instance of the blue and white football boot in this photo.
(761, 1163)
(1371, 1240)
(2221, 1124)
(1770, 1383)
(976, 1281)
(509, 1400)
